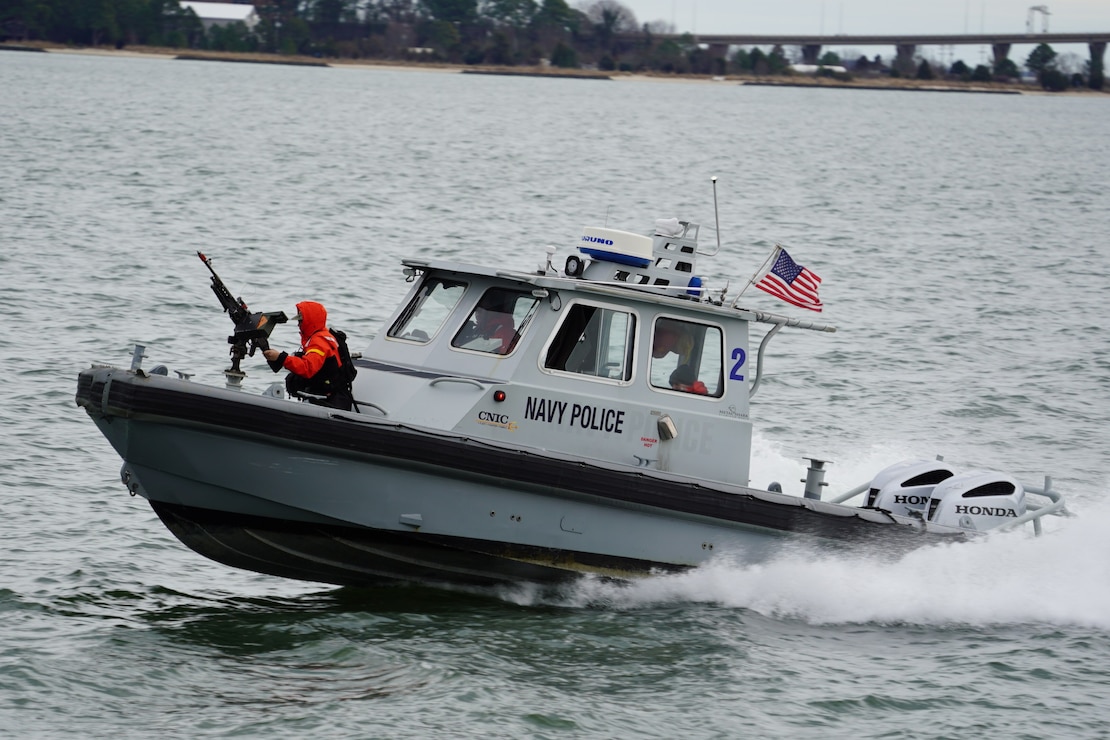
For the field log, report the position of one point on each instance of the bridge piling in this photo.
(718, 51)
(1098, 75)
(1001, 52)
(903, 59)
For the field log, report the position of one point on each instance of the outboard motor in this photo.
(904, 488)
(978, 500)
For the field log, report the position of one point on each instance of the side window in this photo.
(497, 322)
(429, 308)
(592, 340)
(687, 357)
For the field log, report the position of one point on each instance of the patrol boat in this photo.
(531, 426)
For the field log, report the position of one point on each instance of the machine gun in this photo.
(251, 329)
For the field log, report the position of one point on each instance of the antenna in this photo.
(716, 217)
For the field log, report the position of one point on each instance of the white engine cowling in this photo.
(905, 487)
(978, 500)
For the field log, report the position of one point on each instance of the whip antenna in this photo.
(716, 217)
(716, 213)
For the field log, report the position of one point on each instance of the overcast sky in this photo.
(870, 16)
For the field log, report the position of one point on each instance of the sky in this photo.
(871, 16)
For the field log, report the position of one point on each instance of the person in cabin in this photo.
(671, 337)
(317, 367)
(683, 379)
(491, 327)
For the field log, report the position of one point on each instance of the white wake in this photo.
(1061, 577)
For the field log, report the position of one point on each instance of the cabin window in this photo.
(429, 308)
(497, 322)
(687, 357)
(595, 341)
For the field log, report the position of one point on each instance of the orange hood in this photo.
(314, 317)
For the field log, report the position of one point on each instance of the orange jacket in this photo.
(499, 326)
(317, 342)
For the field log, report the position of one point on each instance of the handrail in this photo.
(766, 317)
(372, 405)
(451, 379)
(1034, 514)
(850, 494)
(759, 359)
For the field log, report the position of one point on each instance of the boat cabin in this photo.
(619, 357)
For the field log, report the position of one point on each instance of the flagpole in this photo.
(751, 281)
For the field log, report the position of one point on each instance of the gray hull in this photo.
(299, 491)
(351, 556)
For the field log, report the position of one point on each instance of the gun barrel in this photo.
(207, 263)
(235, 307)
(249, 328)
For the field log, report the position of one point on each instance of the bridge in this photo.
(905, 45)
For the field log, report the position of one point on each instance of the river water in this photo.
(962, 243)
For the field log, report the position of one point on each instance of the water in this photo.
(961, 239)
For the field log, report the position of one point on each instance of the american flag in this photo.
(789, 281)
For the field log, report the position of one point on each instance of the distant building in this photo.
(812, 69)
(223, 14)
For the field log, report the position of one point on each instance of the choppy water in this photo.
(962, 240)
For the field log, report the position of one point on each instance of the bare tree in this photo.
(610, 16)
(1070, 63)
(515, 13)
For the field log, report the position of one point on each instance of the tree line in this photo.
(598, 34)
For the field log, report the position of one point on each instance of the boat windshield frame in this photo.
(571, 347)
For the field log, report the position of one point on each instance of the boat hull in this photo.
(303, 492)
(354, 556)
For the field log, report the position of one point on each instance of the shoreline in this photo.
(795, 81)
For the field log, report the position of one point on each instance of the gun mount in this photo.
(252, 330)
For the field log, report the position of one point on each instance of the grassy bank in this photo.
(860, 83)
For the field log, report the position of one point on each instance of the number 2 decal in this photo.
(739, 355)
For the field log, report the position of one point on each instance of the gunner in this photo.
(317, 368)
